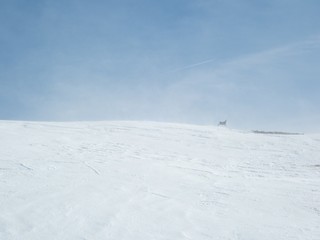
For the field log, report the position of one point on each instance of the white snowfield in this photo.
(145, 180)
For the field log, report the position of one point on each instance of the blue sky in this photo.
(253, 62)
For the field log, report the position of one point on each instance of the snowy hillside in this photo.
(142, 180)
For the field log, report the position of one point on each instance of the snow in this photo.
(146, 180)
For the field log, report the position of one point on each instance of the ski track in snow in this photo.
(145, 180)
(92, 168)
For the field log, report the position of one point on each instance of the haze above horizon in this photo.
(255, 63)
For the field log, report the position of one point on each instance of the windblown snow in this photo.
(145, 180)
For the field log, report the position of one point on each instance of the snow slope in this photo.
(144, 180)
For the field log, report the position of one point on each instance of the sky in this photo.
(252, 62)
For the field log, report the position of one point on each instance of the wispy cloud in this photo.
(193, 65)
(269, 84)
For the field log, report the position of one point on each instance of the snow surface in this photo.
(144, 180)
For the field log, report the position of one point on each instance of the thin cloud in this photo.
(193, 65)
(265, 84)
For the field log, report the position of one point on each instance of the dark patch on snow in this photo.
(276, 132)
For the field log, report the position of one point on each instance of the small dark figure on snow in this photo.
(224, 123)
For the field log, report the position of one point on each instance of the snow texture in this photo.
(145, 180)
